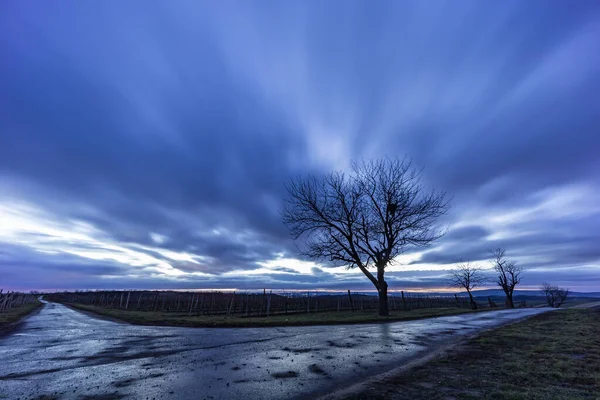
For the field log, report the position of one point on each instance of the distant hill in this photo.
(476, 293)
(498, 292)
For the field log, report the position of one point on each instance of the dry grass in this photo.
(555, 355)
(15, 314)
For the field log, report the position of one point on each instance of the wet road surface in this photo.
(62, 353)
(588, 305)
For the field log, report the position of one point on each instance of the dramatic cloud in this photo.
(146, 145)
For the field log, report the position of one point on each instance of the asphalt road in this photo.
(588, 305)
(62, 353)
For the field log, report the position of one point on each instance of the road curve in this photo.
(63, 353)
(593, 304)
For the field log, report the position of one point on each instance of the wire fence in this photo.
(248, 304)
(10, 300)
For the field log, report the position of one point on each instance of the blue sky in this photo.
(146, 144)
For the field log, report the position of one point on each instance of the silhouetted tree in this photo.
(468, 277)
(364, 218)
(555, 296)
(509, 274)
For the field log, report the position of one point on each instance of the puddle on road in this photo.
(285, 375)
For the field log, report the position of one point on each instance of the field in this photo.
(250, 304)
(537, 301)
(13, 315)
(296, 319)
(555, 355)
(266, 308)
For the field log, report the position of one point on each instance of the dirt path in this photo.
(63, 353)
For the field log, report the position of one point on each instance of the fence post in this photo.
(156, 302)
(191, 305)
(351, 303)
(231, 303)
(199, 311)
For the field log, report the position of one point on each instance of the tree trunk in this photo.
(509, 301)
(473, 304)
(509, 297)
(383, 300)
(382, 289)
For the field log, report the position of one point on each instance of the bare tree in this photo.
(468, 277)
(509, 274)
(555, 296)
(364, 218)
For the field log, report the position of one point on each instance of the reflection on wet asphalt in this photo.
(62, 353)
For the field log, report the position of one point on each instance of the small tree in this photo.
(365, 218)
(468, 277)
(555, 296)
(509, 274)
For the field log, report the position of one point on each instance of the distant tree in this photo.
(509, 274)
(468, 277)
(555, 296)
(364, 218)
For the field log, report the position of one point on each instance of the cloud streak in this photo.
(149, 149)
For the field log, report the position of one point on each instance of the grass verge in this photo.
(12, 316)
(554, 355)
(319, 318)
